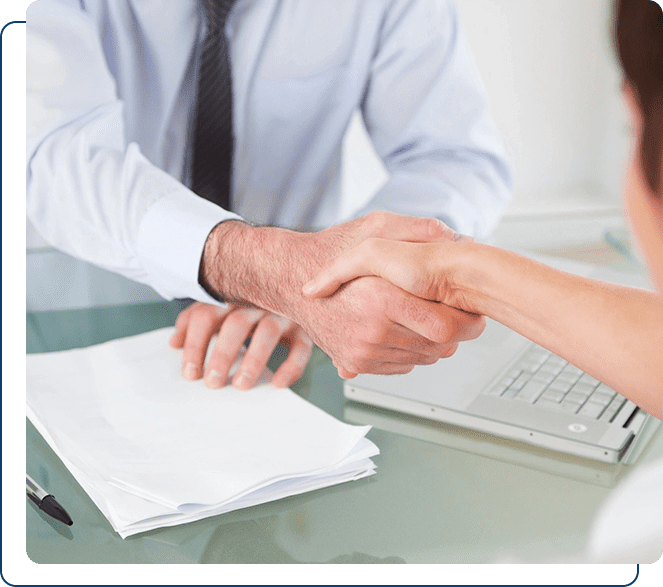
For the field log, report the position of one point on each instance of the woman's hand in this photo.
(196, 326)
(418, 268)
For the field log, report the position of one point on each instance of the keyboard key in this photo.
(546, 403)
(531, 391)
(608, 414)
(544, 377)
(589, 380)
(554, 396)
(519, 383)
(529, 366)
(567, 378)
(577, 396)
(613, 408)
(570, 406)
(557, 361)
(510, 394)
(603, 388)
(573, 370)
(562, 386)
(600, 397)
(497, 390)
(591, 410)
(583, 388)
(508, 380)
(551, 369)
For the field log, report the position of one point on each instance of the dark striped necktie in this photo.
(213, 140)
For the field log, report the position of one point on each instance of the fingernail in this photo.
(242, 380)
(437, 227)
(213, 379)
(461, 238)
(190, 372)
(280, 382)
(308, 288)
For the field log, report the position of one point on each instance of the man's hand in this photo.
(369, 326)
(196, 326)
(382, 329)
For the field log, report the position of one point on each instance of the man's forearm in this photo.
(260, 266)
(267, 266)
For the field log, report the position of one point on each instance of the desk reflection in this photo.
(255, 541)
(486, 445)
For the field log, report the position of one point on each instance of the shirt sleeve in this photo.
(426, 111)
(91, 193)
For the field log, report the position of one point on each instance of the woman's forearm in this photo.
(614, 333)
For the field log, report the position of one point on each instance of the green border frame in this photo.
(16, 567)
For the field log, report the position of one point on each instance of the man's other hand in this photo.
(232, 325)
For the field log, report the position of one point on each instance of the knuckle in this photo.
(436, 228)
(238, 320)
(204, 311)
(371, 246)
(252, 364)
(270, 325)
(355, 362)
(364, 359)
(294, 371)
(207, 310)
(480, 326)
(376, 332)
(429, 359)
(194, 348)
(300, 359)
(377, 221)
(441, 330)
(184, 313)
(222, 358)
(449, 351)
(349, 365)
(305, 342)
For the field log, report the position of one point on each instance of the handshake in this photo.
(376, 294)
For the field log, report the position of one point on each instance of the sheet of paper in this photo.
(152, 449)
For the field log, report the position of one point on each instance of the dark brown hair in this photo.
(639, 39)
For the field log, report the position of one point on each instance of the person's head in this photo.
(638, 35)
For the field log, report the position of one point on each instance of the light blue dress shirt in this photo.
(111, 98)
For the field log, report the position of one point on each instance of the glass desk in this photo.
(440, 495)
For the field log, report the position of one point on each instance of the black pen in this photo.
(46, 502)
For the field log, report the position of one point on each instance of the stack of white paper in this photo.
(153, 450)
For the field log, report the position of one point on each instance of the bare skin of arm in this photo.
(612, 332)
(370, 326)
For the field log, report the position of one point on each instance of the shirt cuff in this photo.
(170, 243)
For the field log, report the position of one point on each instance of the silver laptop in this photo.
(505, 385)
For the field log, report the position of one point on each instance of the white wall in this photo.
(553, 84)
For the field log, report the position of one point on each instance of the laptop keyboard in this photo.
(545, 380)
